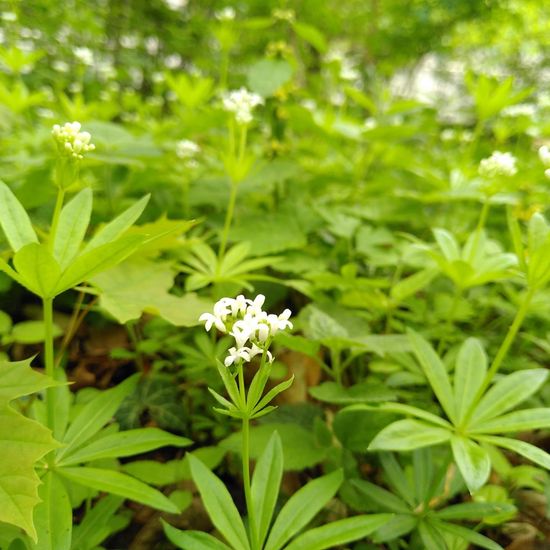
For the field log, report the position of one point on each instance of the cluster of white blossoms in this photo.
(241, 103)
(498, 164)
(186, 149)
(71, 141)
(251, 327)
(544, 155)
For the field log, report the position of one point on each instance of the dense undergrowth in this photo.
(351, 197)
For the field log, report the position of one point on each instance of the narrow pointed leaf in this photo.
(219, 505)
(73, 223)
(126, 443)
(301, 508)
(507, 393)
(94, 415)
(116, 227)
(473, 462)
(465, 534)
(119, 484)
(339, 532)
(435, 372)
(195, 540)
(532, 453)
(397, 527)
(385, 500)
(406, 435)
(14, 220)
(413, 411)
(474, 510)
(265, 484)
(517, 421)
(471, 368)
(273, 392)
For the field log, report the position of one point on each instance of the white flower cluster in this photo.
(544, 155)
(241, 103)
(498, 164)
(186, 149)
(226, 14)
(245, 320)
(71, 141)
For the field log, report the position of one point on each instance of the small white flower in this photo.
(236, 354)
(9, 16)
(71, 142)
(241, 103)
(186, 149)
(210, 320)
(84, 55)
(544, 155)
(255, 306)
(226, 14)
(177, 4)
(498, 164)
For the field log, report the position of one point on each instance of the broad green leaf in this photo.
(448, 245)
(465, 534)
(38, 269)
(435, 372)
(411, 285)
(406, 435)
(473, 462)
(266, 76)
(73, 223)
(195, 540)
(53, 516)
(265, 484)
(99, 259)
(14, 220)
(507, 393)
(470, 371)
(534, 454)
(474, 510)
(301, 508)
(383, 499)
(126, 443)
(94, 527)
(517, 421)
(94, 415)
(140, 285)
(116, 227)
(219, 505)
(32, 332)
(23, 443)
(339, 532)
(116, 483)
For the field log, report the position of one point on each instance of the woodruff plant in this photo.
(47, 268)
(253, 330)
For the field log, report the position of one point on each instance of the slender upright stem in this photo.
(479, 228)
(55, 218)
(228, 219)
(47, 304)
(450, 319)
(246, 481)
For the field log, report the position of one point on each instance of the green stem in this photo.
(228, 220)
(479, 228)
(47, 305)
(246, 481)
(132, 333)
(336, 365)
(55, 218)
(450, 319)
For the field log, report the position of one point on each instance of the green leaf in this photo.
(534, 454)
(38, 269)
(367, 392)
(465, 534)
(472, 460)
(435, 372)
(73, 223)
(196, 540)
(219, 505)
(302, 507)
(23, 443)
(94, 528)
(382, 498)
(139, 285)
(475, 511)
(99, 259)
(116, 227)
(272, 393)
(413, 284)
(430, 535)
(339, 532)
(32, 332)
(517, 421)
(14, 220)
(471, 368)
(53, 516)
(265, 484)
(397, 527)
(116, 483)
(94, 415)
(312, 35)
(266, 76)
(507, 393)
(415, 411)
(406, 435)
(448, 245)
(126, 443)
